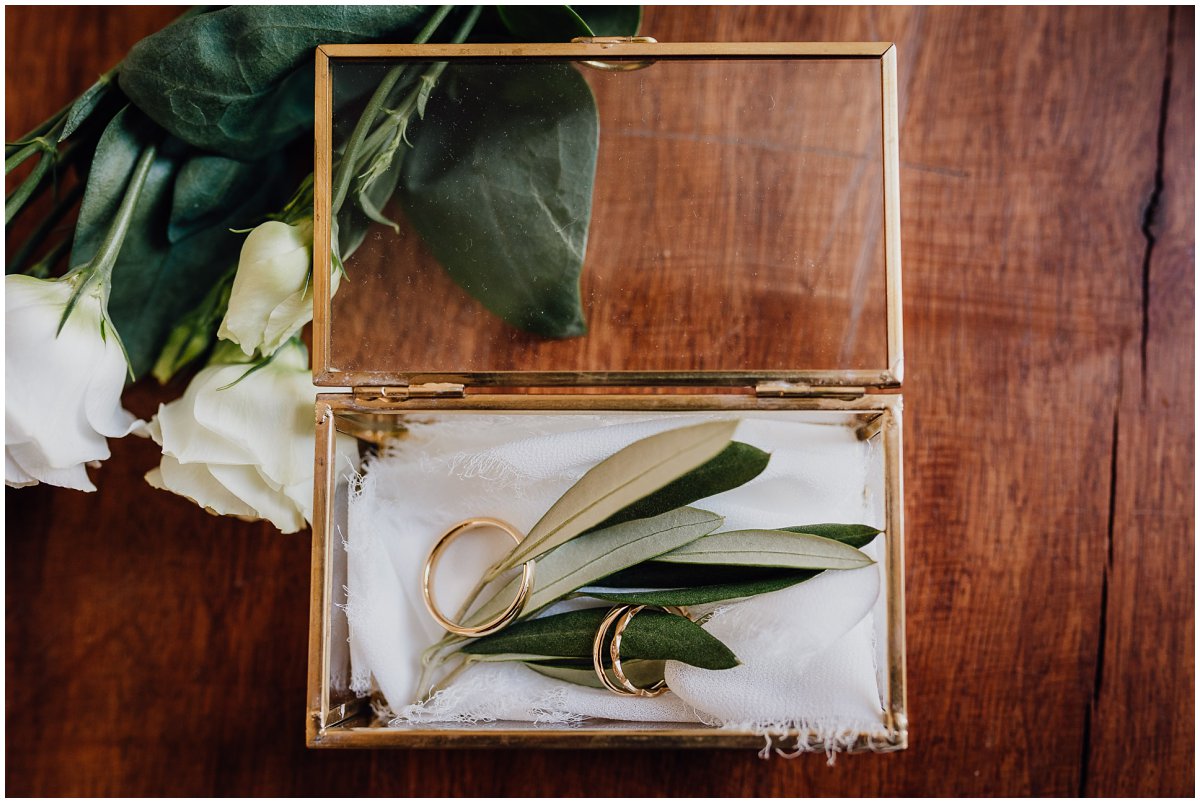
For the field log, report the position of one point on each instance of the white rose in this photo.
(245, 446)
(63, 394)
(272, 296)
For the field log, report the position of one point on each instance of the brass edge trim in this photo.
(897, 652)
(611, 50)
(322, 578)
(695, 738)
(891, 213)
(676, 402)
(322, 225)
(832, 379)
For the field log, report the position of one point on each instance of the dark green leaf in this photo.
(701, 594)
(653, 574)
(213, 188)
(239, 81)
(611, 20)
(856, 535)
(736, 465)
(85, 104)
(642, 467)
(543, 23)
(651, 635)
(499, 186)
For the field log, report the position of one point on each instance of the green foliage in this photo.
(499, 185)
(651, 635)
(736, 465)
(156, 281)
(239, 81)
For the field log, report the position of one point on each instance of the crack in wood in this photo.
(1150, 215)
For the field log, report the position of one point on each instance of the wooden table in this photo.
(1048, 213)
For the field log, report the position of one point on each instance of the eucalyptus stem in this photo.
(56, 120)
(44, 228)
(345, 171)
(100, 267)
(106, 256)
(16, 201)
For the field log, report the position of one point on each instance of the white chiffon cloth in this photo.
(808, 652)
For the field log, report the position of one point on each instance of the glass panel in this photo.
(737, 223)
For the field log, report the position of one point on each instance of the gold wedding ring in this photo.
(505, 617)
(622, 615)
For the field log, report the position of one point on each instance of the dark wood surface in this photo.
(1048, 219)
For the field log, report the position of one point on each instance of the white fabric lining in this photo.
(513, 467)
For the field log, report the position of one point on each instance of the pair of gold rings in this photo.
(617, 620)
(502, 619)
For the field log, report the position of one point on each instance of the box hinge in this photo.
(429, 390)
(797, 390)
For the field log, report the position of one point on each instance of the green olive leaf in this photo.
(498, 184)
(703, 594)
(613, 484)
(856, 535)
(642, 674)
(651, 635)
(239, 81)
(737, 464)
(588, 558)
(777, 548)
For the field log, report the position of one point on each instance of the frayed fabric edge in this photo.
(812, 736)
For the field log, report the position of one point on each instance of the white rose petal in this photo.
(243, 444)
(272, 295)
(63, 396)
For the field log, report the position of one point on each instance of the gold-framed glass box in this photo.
(743, 256)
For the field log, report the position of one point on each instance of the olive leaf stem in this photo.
(350, 157)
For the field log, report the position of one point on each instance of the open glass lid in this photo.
(607, 214)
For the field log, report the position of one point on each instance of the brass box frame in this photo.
(380, 399)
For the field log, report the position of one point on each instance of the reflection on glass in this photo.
(736, 224)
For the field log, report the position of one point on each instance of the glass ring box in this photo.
(578, 247)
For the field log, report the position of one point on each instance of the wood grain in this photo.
(152, 649)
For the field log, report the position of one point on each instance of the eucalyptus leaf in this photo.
(588, 558)
(642, 674)
(155, 282)
(543, 23)
(651, 635)
(239, 81)
(769, 548)
(499, 185)
(212, 188)
(613, 484)
(737, 464)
